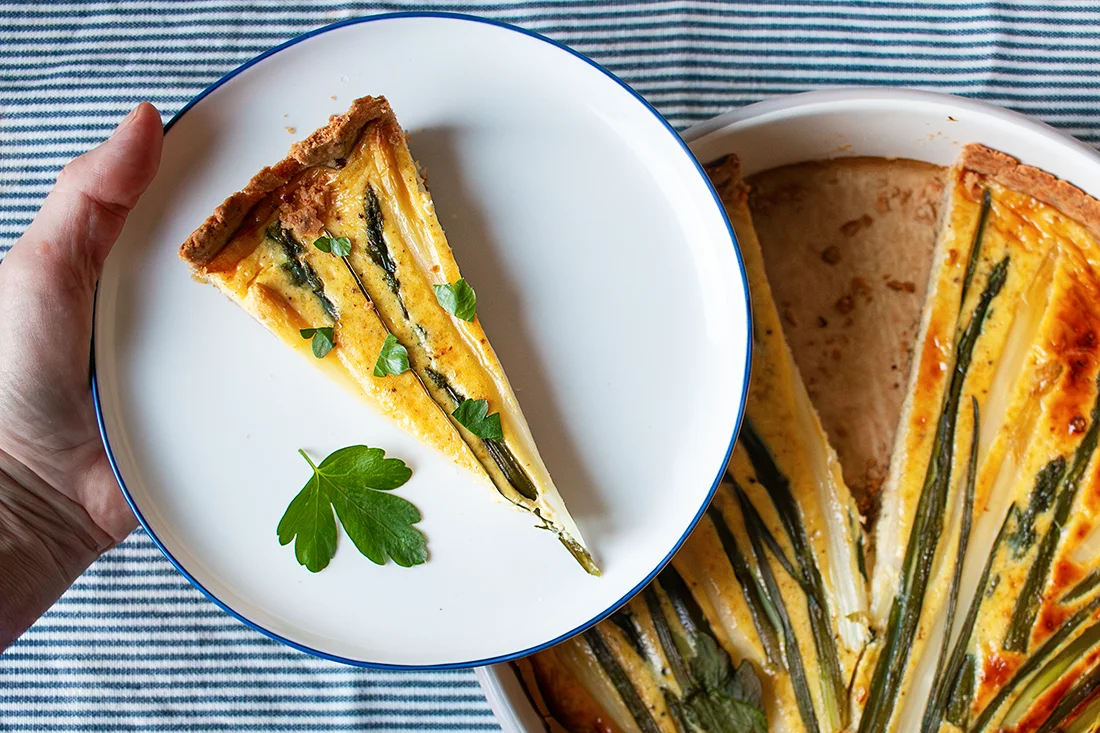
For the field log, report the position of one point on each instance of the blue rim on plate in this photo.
(710, 494)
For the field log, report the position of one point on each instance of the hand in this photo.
(60, 506)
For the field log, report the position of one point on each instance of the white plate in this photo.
(818, 125)
(607, 279)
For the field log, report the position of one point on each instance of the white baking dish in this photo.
(894, 123)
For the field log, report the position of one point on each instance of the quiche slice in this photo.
(985, 583)
(354, 183)
(759, 622)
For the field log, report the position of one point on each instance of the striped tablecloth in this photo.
(132, 646)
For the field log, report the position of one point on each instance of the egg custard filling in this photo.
(973, 603)
(988, 514)
(337, 250)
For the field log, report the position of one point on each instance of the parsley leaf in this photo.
(353, 481)
(393, 359)
(474, 416)
(323, 340)
(746, 685)
(723, 693)
(339, 246)
(459, 299)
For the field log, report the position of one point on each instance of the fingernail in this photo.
(126, 121)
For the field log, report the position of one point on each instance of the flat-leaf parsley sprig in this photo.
(355, 482)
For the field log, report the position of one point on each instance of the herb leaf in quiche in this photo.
(474, 416)
(324, 339)
(459, 299)
(353, 481)
(339, 246)
(715, 695)
(393, 359)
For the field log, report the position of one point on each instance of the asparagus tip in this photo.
(579, 553)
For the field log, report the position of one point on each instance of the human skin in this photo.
(60, 506)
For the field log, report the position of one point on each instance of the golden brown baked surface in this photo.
(1031, 181)
(325, 147)
(1009, 327)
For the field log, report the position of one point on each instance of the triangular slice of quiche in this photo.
(341, 237)
(988, 518)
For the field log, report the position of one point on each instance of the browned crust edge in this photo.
(325, 146)
(725, 175)
(1009, 172)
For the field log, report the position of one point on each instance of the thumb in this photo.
(84, 213)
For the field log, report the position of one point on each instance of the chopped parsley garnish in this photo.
(474, 416)
(339, 246)
(459, 299)
(393, 359)
(323, 340)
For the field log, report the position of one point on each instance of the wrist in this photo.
(46, 542)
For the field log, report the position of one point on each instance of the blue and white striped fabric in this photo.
(132, 646)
